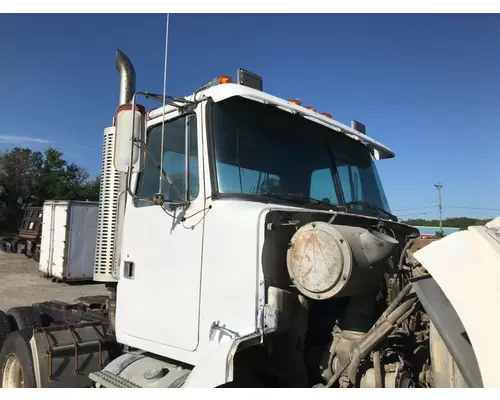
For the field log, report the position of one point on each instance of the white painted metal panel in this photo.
(46, 239)
(60, 217)
(169, 292)
(466, 267)
(111, 181)
(53, 238)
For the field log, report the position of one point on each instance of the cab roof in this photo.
(224, 91)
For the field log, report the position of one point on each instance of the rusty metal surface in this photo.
(66, 354)
(319, 260)
(94, 302)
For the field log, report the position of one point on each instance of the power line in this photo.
(415, 208)
(409, 215)
(446, 206)
(475, 208)
(475, 213)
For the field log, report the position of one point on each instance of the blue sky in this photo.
(428, 86)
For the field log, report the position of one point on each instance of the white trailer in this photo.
(69, 232)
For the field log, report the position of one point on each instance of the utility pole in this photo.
(439, 186)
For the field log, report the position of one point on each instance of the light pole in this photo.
(439, 186)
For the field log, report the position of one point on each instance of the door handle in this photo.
(128, 269)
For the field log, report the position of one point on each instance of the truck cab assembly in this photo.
(245, 241)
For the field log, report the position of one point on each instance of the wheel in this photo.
(5, 246)
(4, 327)
(24, 318)
(16, 361)
(28, 249)
(13, 245)
(36, 253)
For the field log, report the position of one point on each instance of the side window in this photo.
(322, 186)
(174, 160)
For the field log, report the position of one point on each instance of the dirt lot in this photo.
(21, 284)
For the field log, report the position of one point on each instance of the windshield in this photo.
(262, 150)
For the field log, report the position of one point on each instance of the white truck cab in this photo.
(246, 241)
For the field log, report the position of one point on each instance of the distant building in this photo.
(430, 231)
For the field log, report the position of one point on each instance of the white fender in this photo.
(216, 366)
(466, 265)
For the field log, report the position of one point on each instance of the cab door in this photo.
(160, 275)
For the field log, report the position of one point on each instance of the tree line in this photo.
(456, 222)
(28, 178)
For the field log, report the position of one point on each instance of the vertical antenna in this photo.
(164, 99)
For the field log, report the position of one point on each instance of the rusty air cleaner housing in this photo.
(326, 261)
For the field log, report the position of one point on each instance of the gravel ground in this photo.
(21, 284)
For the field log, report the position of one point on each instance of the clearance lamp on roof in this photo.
(224, 79)
(245, 78)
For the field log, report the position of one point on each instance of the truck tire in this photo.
(28, 250)
(13, 245)
(24, 318)
(36, 253)
(5, 246)
(4, 327)
(16, 361)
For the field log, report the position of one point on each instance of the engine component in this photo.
(372, 339)
(396, 376)
(342, 346)
(326, 261)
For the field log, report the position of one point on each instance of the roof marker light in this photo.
(299, 103)
(327, 115)
(311, 108)
(224, 79)
(216, 81)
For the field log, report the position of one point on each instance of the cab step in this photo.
(110, 380)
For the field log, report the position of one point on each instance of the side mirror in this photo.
(130, 131)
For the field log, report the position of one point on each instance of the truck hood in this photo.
(466, 266)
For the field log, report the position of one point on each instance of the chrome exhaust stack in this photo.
(127, 77)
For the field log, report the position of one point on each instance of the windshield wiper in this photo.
(302, 199)
(167, 177)
(373, 207)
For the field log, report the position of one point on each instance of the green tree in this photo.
(30, 178)
(19, 171)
